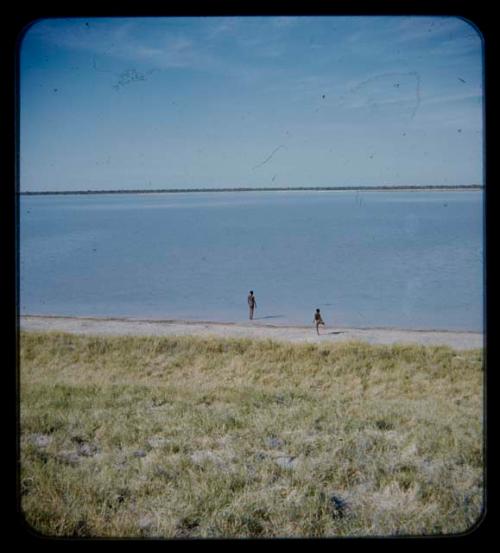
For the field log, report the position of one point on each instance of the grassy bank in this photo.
(191, 437)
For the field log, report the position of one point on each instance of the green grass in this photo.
(191, 437)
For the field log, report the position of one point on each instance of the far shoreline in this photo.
(458, 188)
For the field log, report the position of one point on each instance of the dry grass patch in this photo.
(190, 437)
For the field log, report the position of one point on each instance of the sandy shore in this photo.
(250, 329)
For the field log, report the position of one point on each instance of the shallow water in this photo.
(366, 259)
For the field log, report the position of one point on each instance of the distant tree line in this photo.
(249, 189)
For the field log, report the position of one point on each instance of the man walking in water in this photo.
(318, 320)
(252, 304)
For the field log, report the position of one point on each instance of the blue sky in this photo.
(201, 102)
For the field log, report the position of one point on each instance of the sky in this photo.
(210, 102)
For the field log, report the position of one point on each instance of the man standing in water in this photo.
(252, 304)
(318, 320)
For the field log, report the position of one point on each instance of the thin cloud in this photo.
(200, 46)
(78, 34)
(105, 39)
(287, 22)
(221, 28)
(417, 29)
(454, 98)
(386, 89)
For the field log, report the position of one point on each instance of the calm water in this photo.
(366, 259)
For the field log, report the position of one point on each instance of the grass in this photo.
(217, 438)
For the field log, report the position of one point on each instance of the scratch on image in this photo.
(268, 158)
(414, 74)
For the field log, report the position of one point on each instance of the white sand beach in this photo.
(252, 329)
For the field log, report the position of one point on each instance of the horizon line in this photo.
(251, 189)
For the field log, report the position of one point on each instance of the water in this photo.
(366, 259)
